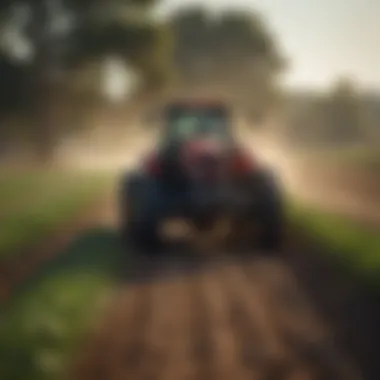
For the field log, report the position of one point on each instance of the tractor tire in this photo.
(268, 212)
(137, 232)
(271, 215)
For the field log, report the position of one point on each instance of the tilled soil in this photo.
(234, 318)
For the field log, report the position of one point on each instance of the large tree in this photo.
(67, 37)
(234, 49)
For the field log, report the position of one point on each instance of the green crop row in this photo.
(353, 246)
(41, 330)
(35, 204)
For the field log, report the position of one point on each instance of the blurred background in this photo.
(80, 82)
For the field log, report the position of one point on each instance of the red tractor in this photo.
(199, 172)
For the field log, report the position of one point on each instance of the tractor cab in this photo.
(185, 121)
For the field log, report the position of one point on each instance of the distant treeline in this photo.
(343, 116)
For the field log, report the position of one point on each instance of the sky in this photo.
(322, 38)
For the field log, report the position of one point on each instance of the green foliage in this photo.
(357, 158)
(234, 50)
(35, 204)
(98, 29)
(42, 328)
(234, 35)
(355, 247)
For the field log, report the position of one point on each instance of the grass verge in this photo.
(363, 158)
(41, 329)
(33, 204)
(355, 247)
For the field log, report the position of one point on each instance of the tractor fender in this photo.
(265, 190)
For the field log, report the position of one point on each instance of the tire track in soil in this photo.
(261, 347)
(298, 323)
(125, 356)
(178, 335)
(164, 350)
(202, 349)
(225, 360)
(115, 347)
(231, 320)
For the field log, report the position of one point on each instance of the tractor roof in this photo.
(197, 103)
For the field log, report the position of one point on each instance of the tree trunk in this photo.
(44, 138)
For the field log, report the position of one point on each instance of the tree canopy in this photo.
(66, 36)
(234, 49)
(63, 38)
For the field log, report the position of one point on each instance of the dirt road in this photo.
(239, 318)
(228, 319)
